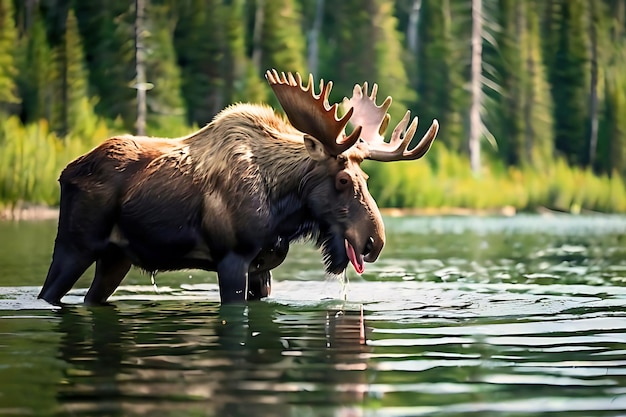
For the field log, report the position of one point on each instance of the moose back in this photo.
(232, 196)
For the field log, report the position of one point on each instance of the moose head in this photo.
(353, 226)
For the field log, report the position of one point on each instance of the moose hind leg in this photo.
(111, 268)
(68, 264)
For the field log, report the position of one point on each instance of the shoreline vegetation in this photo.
(32, 157)
(529, 95)
(30, 212)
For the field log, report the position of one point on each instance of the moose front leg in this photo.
(68, 264)
(232, 276)
(260, 275)
(259, 285)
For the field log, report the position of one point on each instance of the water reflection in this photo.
(156, 359)
(465, 317)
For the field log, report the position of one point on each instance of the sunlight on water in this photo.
(461, 316)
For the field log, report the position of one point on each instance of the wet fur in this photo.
(230, 197)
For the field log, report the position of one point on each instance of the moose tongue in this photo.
(357, 260)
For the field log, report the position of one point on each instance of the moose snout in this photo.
(369, 246)
(372, 249)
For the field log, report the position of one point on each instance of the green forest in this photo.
(530, 94)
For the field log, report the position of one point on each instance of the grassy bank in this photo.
(31, 158)
(444, 180)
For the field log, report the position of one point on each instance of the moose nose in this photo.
(372, 248)
(369, 246)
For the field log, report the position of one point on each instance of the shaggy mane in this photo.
(252, 145)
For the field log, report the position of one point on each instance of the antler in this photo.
(375, 120)
(311, 113)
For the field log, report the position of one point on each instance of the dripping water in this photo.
(153, 275)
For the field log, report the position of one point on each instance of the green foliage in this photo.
(367, 47)
(73, 110)
(67, 70)
(282, 40)
(36, 73)
(446, 182)
(199, 54)
(165, 102)
(613, 152)
(32, 156)
(522, 107)
(107, 29)
(439, 66)
(8, 45)
(567, 63)
(242, 82)
(392, 79)
(209, 40)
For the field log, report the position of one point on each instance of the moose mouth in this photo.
(338, 251)
(357, 260)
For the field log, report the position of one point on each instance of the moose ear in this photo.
(314, 147)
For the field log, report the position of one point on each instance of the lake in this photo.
(461, 316)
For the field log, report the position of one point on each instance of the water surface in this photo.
(462, 316)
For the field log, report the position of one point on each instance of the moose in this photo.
(232, 196)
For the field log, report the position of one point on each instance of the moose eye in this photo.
(342, 181)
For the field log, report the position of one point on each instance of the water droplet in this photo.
(153, 281)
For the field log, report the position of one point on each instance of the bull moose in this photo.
(232, 196)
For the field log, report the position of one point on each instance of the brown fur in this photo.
(229, 197)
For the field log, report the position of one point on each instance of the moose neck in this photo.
(285, 175)
(249, 146)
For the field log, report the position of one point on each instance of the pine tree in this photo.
(611, 151)
(613, 146)
(165, 103)
(352, 56)
(8, 71)
(522, 112)
(215, 69)
(438, 77)
(567, 61)
(107, 29)
(243, 83)
(199, 40)
(370, 51)
(390, 71)
(282, 38)
(37, 73)
(277, 39)
(74, 106)
(538, 125)
(593, 28)
(507, 114)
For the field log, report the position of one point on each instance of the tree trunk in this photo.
(412, 30)
(521, 10)
(593, 93)
(29, 14)
(65, 100)
(618, 10)
(314, 33)
(476, 125)
(141, 84)
(257, 34)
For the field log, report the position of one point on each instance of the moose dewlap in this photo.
(232, 196)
